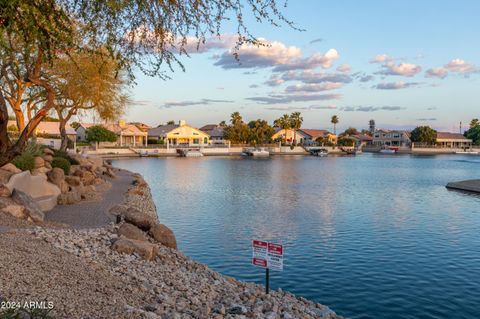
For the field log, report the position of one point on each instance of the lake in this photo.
(371, 236)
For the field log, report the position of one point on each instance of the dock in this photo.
(471, 185)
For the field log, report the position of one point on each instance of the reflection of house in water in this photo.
(179, 135)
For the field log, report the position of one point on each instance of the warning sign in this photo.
(267, 255)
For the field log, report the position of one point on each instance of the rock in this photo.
(37, 172)
(237, 310)
(47, 158)
(73, 180)
(31, 208)
(11, 168)
(48, 165)
(69, 198)
(163, 235)
(74, 168)
(109, 172)
(132, 232)
(130, 246)
(134, 216)
(56, 176)
(5, 191)
(17, 211)
(48, 151)
(5, 176)
(87, 178)
(38, 162)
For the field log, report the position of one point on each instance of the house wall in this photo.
(290, 135)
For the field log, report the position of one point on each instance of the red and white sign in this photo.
(267, 255)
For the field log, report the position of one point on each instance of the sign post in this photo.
(269, 256)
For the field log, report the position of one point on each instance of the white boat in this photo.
(388, 151)
(189, 153)
(143, 153)
(322, 152)
(471, 152)
(256, 152)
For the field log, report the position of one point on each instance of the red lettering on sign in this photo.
(259, 262)
(275, 249)
(259, 244)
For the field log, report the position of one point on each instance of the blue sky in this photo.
(402, 63)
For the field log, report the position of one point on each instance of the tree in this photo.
(171, 122)
(350, 131)
(98, 133)
(474, 134)
(222, 124)
(145, 35)
(346, 141)
(260, 132)
(283, 123)
(296, 121)
(334, 121)
(237, 131)
(424, 135)
(474, 123)
(75, 125)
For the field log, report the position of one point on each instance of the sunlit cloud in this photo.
(402, 69)
(457, 66)
(289, 98)
(171, 104)
(344, 68)
(370, 108)
(313, 87)
(396, 85)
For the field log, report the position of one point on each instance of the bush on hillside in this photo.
(62, 163)
(65, 155)
(24, 161)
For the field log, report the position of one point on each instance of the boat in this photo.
(189, 152)
(322, 152)
(256, 152)
(143, 153)
(348, 150)
(470, 152)
(388, 151)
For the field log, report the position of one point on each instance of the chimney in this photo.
(181, 123)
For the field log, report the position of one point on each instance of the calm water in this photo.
(370, 236)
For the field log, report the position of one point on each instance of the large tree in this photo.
(474, 132)
(260, 132)
(283, 123)
(334, 120)
(296, 121)
(140, 34)
(424, 135)
(237, 131)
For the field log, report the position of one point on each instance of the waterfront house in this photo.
(179, 135)
(311, 136)
(141, 126)
(391, 138)
(453, 140)
(216, 133)
(128, 134)
(289, 136)
(48, 133)
(361, 140)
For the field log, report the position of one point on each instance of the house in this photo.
(179, 135)
(453, 140)
(290, 136)
(391, 138)
(311, 136)
(127, 134)
(48, 133)
(361, 140)
(216, 133)
(141, 126)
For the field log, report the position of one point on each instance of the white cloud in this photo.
(313, 87)
(396, 85)
(344, 68)
(439, 72)
(402, 69)
(381, 58)
(457, 66)
(315, 60)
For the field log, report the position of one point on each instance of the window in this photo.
(195, 141)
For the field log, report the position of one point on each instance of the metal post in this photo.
(267, 280)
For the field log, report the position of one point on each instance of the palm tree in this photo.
(474, 123)
(235, 118)
(283, 123)
(334, 121)
(296, 121)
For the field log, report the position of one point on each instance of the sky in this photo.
(402, 63)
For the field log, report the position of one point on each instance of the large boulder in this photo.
(147, 250)
(87, 177)
(47, 158)
(163, 235)
(38, 162)
(134, 216)
(17, 211)
(48, 151)
(132, 232)
(43, 193)
(73, 180)
(32, 209)
(57, 176)
(11, 168)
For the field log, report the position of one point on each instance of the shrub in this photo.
(98, 133)
(62, 163)
(24, 162)
(65, 155)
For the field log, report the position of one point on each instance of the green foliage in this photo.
(62, 163)
(156, 141)
(65, 155)
(98, 133)
(24, 161)
(424, 134)
(320, 140)
(50, 119)
(474, 134)
(474, 123)
(238, 131)
(350, 131)
(260, 132)
(345, 141)
(75, 125)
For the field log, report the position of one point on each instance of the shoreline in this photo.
(171, 285)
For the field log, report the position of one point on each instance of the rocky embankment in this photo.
(128, 269)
